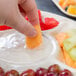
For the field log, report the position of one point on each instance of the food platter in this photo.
(65, 25)
(56, 2)
(14, 42)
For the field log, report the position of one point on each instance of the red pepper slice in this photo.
(40, 17)
(50, 23)
(4, 27)
(42, 24)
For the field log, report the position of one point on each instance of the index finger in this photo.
(30, 8)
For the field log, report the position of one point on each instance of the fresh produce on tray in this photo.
(67, 42)
(69, 6)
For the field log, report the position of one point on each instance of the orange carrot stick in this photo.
(74, 65)
(61, 56)
(61, 2)
(33, 42)
(68, 59)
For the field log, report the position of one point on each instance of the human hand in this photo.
(12, 16)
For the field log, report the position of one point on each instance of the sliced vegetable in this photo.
(50, 23)
(65, 4)
(33, 42)
(4, 27)
(61, 37)
(69, 43)
(61, 56)
(73, 54)
(71, 2)
(61, 2)
(72, 9)
(68, 59)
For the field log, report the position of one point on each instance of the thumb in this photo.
(20, 24)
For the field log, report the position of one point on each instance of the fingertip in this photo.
(33, 33)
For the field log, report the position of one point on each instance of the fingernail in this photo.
(33, 33)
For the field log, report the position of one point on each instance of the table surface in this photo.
(49, 6)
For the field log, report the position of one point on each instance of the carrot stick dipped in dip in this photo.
(33, 42)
